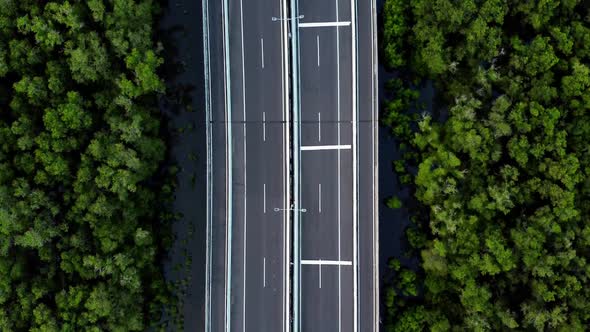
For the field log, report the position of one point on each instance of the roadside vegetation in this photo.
(499, 169)
(82, 201)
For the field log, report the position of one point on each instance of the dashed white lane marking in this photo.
(320, 270)
(262, 51)
(320, 197)
(319, 126)
(264, 197)
(264, 126)
(324, 24)
(318, 46)
(324, 262)
(264, 272)
(325, 147)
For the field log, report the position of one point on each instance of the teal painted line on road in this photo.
(229, 167)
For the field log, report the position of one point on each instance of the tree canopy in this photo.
(80, 146)
(502, 179)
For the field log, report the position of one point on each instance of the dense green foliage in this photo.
(79, 146)
(503, 181)
(394, 31)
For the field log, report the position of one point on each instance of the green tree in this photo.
(501, 181)
(81, 191)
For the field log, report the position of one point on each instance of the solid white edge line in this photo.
(209, 184)
(354, 167)
(285, 183)
(296, 166)
(325, 262)
(324, 24)
(245, 170)
(339, 172)
(296, 153)
(375, 129)
(325, 147)
(286, 175)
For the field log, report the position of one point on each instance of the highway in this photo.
(292, 221)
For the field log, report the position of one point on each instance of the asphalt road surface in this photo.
(249, 284)
(248, 280)
(259, 250)
(338, 285)
(328, 263)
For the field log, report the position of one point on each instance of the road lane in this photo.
(319, 230)
(325, 317)
(216, 113)
(265, 237)
(258, 257)
(327, 89)
(368, 250)
(319, 92)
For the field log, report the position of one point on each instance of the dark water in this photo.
(180, 32)
(393, 223)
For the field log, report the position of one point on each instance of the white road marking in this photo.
(325, 147)
(264, 272)
(319, 126)
(318, 44)
(296, 58)
(354, 167)
(320, 197)
(323, 24)
(209, 184)
(375, 144)
(245, 167)
(325, 262)
(264, 126)
(262, 51)
(228, 166)
(264, 196)
(339, 179)
(320, 270)
(286, 179)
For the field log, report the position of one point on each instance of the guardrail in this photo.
(209, 212)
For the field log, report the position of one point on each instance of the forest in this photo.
(82, 201)
(498, 169)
